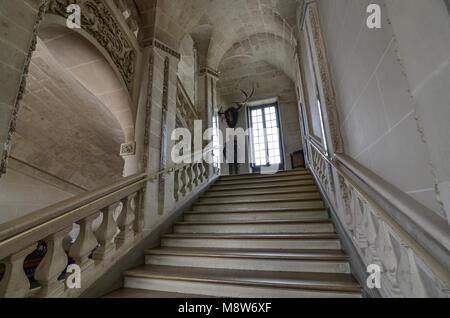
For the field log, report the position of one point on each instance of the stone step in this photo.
(261, 197)
(316, 261)
(260, 191)
(262, 185)
(255, 227)
(252, 176)
(238, 283)
(142, 293)
(327, 241)
(274, 178)
(262, 205)
(256, 215)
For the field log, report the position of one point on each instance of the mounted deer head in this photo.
(232, 113)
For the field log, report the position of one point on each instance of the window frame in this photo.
(262, 107)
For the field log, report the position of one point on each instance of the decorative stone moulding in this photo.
(158, 44)
(311, 13)
(148, 113)
(128, 149)
(98, 21)
(209, 71)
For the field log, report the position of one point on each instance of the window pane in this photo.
(265, 136)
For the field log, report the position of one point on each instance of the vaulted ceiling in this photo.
(263, 29)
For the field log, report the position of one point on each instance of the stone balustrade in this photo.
(91, 250)
(188, 178)
(186, 110)
(110, 223)
(408, 269)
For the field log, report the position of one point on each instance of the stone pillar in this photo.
(160, 121)
(19, 21)
(207, 98)
(207, 94)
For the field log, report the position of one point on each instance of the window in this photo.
(265, 136)
(216, 142)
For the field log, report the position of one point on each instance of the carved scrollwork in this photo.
(328, 90)
(98, 21)
(372, 230)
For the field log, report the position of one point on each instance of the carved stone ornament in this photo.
(128, 149)
(98, 21)
(325, 76)
(160, 45)
(148, 113)
(209, 71)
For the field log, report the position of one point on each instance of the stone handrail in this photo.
(117, 208)
(186, 100)
(408, 268)
(429, 229)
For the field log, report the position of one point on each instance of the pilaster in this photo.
(160, 121)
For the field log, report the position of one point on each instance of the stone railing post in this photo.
(189, 178)
(52, 265)
(184, 179)
(85, 243)
(15, 283)
(105, 234)
(195, 174)
(125, 221)
(176, 185)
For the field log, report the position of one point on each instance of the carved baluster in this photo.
(408, 276)
(195, 174)
(105, 234)
(206, 168)
(361, 223)
(201, 173)
(52, 265)
(125, 221)
(15, 283)
(85, 243)
(372, 232)
(176, 185)
(389, 260)
(184, 181)
(138, 212)
(189, 178)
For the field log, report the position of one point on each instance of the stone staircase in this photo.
(249, 236)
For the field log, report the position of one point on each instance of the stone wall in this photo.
(378, 101)
(424, 52)
(21, 194)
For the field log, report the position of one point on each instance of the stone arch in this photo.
(87, 61)
(63, 130)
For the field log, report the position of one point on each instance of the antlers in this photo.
(243, 103)
(247, 97)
